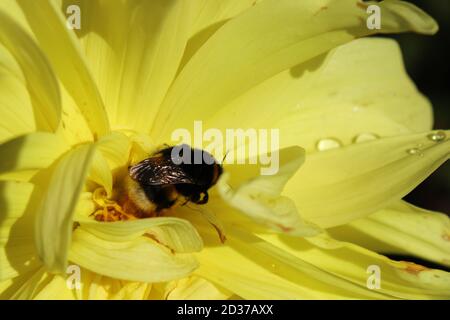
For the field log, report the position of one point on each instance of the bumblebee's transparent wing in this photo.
(159, 170)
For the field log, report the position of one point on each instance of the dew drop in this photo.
(437, 136)
(274, 268)
(363, 137)
(415, 151)
(328, 144)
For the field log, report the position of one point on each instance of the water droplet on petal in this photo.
(356, 109)
(365, 137)
(274, 268)
(415, 151)
(437, 136)
(328, 144)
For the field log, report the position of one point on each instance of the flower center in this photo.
(109, 210)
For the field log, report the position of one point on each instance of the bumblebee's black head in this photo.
(202, 167)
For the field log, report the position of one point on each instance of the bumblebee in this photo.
(160, 181)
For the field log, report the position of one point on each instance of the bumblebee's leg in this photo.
(112, 212)
(185, 202)
(108, 210)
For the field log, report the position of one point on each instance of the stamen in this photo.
(108, 210)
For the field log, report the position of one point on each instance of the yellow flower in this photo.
(77, 106)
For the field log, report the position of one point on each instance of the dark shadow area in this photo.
(21, 232)
(426, 61)
(416, 260)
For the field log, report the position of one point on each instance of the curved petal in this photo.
(41, 83)
(115, 147)
(255, 269)
(258, 196)
(141, 259)
(357, 90)
(100, 173)
(177, 234)
(399, 279)
(65, 56)
(112, 153)
(265, 40)
(336, 186)
(401, 229)
(60, 188)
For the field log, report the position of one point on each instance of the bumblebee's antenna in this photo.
(226, 153)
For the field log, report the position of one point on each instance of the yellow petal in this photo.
(132, 291)
(85, 207)
(255, 269)
(177, 234)
(66, 57)
(55, 289)
(115, 147)
(265, 40)
(97, 287)
(12, 9)
(17, 252)
(74, 128)
(330, 97)
(196, 288)
(60, 187)
(405, 16)
(402, 279)
(401, 229)
(41, 83)
(336, 186)
(112, 153)
(132, 46)
(216, 12)
(40, 285)
(17, 116)
(30, 152)
(101, 173)
(209, 17)
(259, 197)
(141, 259)
(26, 286)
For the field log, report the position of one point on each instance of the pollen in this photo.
(109, 210)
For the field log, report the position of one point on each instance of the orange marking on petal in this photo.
(414, 268)
(362, 5)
